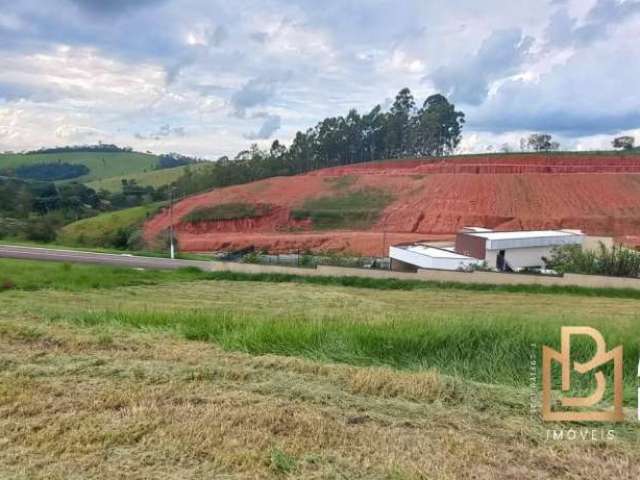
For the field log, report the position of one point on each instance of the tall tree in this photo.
(438, 127)
(625, 142)
(435, 130)
(542, 142)
(398, 137)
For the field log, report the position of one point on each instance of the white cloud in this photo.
(81, 70)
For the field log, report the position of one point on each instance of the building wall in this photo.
(426, 261)
(533, 241)
(470, 245)
(399, 266)
(520, 257)
(593, 243)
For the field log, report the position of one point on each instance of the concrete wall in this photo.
(593, 243)
(487, 278)
(256, 268)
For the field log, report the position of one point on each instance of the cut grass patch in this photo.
(352, 210)
(32, 276)
(227, 211)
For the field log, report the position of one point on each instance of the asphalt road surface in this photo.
(116, 260)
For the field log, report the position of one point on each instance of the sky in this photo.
(209, 77)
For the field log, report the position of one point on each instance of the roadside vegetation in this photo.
(120, 229)
(617, 261)
(35, 275)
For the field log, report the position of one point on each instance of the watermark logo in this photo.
(567, 403)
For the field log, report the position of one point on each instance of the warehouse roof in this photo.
(490, 235)
(434, 252)
(531, 238)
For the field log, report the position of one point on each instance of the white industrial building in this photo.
(502, 251)
(425, 256)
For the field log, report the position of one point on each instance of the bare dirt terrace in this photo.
(418, 199)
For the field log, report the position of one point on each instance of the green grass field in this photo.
(101, 165)
(153, 178)
(116, 373)
(97, 231)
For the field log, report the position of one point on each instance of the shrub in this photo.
(7, 284)
(281, 462)
(618, 261)
(40, 230)
(251, 257)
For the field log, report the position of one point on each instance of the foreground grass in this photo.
(183, 378)
(493, 351)
(35, 275)
(31, 275)
(236, 379)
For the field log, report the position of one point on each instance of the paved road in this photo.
(72, 256)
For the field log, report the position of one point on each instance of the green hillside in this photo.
(111, 229)
(153, 178)
(101, 164)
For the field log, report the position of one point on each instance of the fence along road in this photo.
(114, 259)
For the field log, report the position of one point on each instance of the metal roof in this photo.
(522, 234)
(435, 252)
(527, 239)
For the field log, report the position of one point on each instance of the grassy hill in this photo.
(153, 178)
(101, 164)
(106, 230)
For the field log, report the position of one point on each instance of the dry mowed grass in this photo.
(114, 402)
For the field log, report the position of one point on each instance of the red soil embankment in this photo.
(599, 194)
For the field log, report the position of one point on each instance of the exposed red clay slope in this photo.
(432, 199)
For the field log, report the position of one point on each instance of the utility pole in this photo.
(172, 248)
(384, 237)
